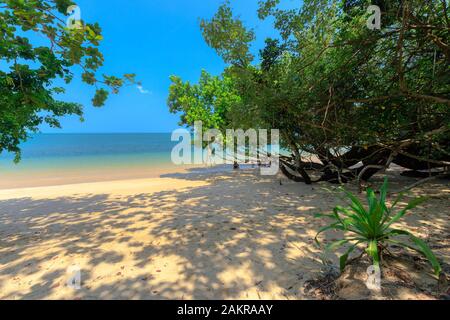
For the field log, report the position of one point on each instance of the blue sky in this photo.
(154, 39)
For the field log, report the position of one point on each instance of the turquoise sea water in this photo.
(75, 151)
(57, 159)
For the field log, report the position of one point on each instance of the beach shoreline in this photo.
(60, 177)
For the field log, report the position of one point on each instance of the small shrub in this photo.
(372, 227)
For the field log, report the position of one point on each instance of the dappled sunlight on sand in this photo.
(218, 236)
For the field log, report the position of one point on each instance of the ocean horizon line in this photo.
(86, 133)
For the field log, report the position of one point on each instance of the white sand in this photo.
(188, 236)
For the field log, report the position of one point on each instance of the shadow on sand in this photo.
(233, 238)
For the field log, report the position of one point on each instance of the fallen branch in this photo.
(379, 167)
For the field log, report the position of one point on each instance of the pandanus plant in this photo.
(372, 227)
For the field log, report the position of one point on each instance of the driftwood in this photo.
(374, 159)
(284, 169)
(284, 166)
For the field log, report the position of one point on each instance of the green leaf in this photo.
(422, 248)
(372, 250)
(334, 245)
(100, 97)
(323, 215)
(412, 204)
(334, 226)
(343, 259)
(383, 191)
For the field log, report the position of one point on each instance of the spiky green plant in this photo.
(372, 227)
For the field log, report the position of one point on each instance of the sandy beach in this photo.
(187, 235)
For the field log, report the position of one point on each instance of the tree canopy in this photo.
(28, 72)
(337, 89)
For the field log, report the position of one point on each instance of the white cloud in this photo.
(142, 90)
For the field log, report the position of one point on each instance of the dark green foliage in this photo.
(28, 96)
(332, 85)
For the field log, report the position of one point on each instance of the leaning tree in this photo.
(354, 99)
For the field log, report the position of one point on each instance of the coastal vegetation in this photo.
(34, 72)
(357, 99)
(349, 102)
(372, 228)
